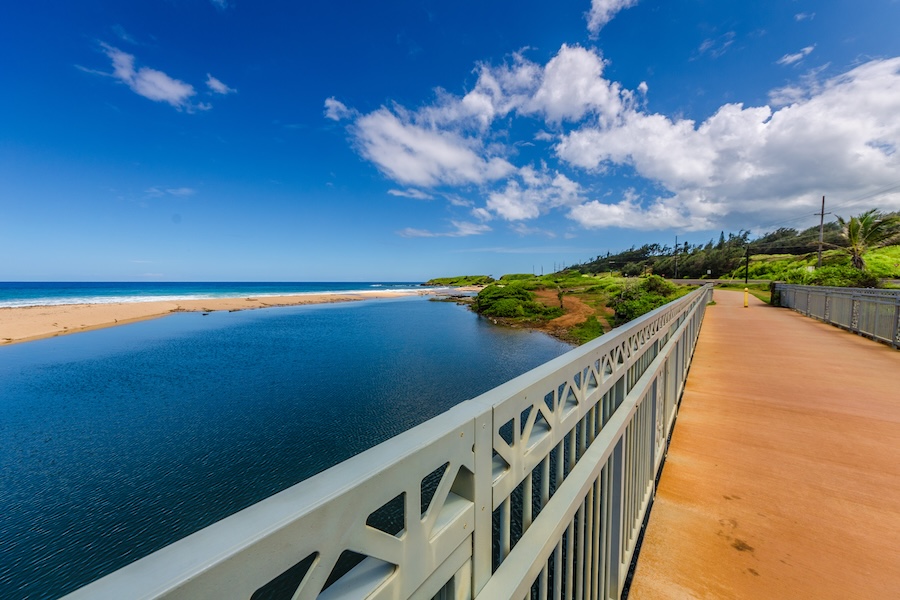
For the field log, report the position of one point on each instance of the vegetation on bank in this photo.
(583, 302)
(570, 305)
(462, 280)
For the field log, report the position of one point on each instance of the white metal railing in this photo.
(537, 488)
(869, 312)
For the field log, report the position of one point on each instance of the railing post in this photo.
(615, 582)
(895, 339)
(484, 478)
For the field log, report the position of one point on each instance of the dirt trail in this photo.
(577, 312)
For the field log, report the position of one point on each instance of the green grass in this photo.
(587, 331)
(883, 263)
(461, 280)
(760, 290)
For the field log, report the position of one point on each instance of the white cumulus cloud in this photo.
(421, 156)
(628, 213)
(751, 161)
(337, 110)
(789, 59)
(602, 12)
(217, 86)
(570, 86)
(460, 229)
(149, 83)
(533, 193)
(411, 193)
(154, 84)
(741, 166)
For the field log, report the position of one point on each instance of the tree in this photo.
(869, 230)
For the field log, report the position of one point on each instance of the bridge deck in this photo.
(783, 477)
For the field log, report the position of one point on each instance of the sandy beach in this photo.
(23, 324)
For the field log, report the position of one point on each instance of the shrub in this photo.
(654, 284)
(512, 301)
(588, 330)
(632, 269)
(842, 276)
(632, 306)
(506, 307)
(636, 300)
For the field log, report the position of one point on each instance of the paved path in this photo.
(783, 477)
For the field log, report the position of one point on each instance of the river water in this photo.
(117, 442)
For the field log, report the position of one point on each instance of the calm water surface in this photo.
(117, 442)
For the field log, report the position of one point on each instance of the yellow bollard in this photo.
(746, 297)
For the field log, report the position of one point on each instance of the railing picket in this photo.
(505, 519)
(557, 571)
(587, 543)
(580, 572)
(545, 481)
(570, 559)
(542, 586)
(527, 499)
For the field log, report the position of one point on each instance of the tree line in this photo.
(718, 258)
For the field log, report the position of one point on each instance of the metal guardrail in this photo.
(868, 312)
(537, 488)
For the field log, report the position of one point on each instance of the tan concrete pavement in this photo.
(783, 477)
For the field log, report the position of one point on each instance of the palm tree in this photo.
(871, 229)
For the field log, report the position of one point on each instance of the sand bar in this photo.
(27, 323)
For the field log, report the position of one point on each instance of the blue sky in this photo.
(209, 140)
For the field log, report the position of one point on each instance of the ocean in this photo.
(14, 294)
(119, 441)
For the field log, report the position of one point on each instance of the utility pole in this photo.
(747, 266)
(676, 258)
(821, 232)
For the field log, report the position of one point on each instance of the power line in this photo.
(850, 202)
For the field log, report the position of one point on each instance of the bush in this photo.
(512, 301)
(632, 269)
(842, 276)
(632, 306)
(654, 284)
(588, 330)
(652, 292)
(506, 307)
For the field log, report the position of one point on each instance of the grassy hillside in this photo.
(882, 263)
(460, 280)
